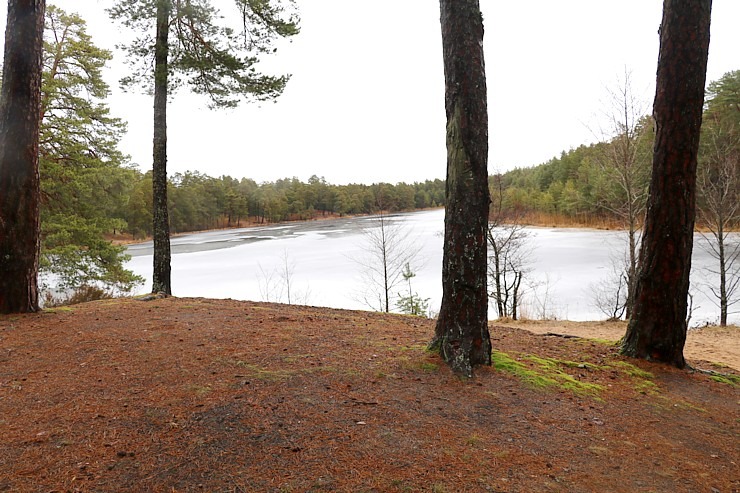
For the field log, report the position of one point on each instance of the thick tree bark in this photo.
(162, 281)
(657, 328)
(462, 333)
(20, 108)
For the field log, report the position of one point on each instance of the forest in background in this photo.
(199, 201)
(587, 185)
(91, 192)
(577, 187)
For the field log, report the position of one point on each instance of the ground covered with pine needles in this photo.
(191, 395)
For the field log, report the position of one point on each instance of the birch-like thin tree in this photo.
(507, 241)
(719, 189)
(388, 251)
(625, 162)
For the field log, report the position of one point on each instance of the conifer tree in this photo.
(83, 177)
(657, 328)
(185, 44)
(462, 333)
(20, 105)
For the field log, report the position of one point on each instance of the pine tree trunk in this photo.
(162, 270)
(462, 333)
(632, 267)
(657, 328)
(20, 110)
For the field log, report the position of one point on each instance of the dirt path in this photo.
(709, 344)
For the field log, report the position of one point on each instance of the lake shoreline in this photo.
(535, 220)
(565, 265)
(122, 240)
(542, 222)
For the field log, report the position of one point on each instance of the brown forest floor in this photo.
(179, 394)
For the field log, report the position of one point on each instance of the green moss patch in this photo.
(729, 379)
(57, 309)
(545, 372)
(632, 370)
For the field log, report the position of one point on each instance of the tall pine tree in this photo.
(657, 328)
(83, 178)
(187, 46)
(462, 333)
(20, 106)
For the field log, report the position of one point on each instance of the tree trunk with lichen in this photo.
(657, 328)
(20, 110)
(161, 277)
(461, 334)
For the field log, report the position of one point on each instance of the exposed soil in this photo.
(712, 343)
(180, 395)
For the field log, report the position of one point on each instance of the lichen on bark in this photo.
(461, 333)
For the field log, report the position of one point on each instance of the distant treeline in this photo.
(89, 190)
(198, 201)
(575, 187)
(608, 181)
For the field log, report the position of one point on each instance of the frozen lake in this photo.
(322, 256)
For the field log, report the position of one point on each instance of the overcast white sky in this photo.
(366, 98)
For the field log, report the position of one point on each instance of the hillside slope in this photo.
(185, 394)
